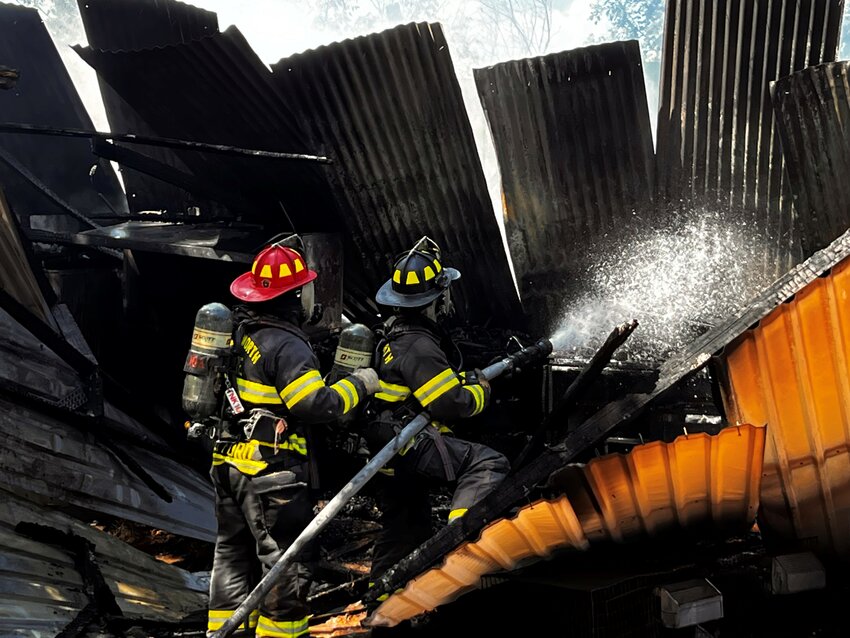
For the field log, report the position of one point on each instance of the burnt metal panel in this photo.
(718, 147)
(45, 458)
(217, 90)
(128, 25)
(41, 589)
(791, 372)
(50, 453)
(34, 370)
(696, 482)
(388, 109)
(812, 109)
(574, 143)
(45, 95)
(613, 415)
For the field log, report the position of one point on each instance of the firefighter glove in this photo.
(369, 378)
(480, 380)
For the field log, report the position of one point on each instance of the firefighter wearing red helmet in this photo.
(416, 373)
(262, 472)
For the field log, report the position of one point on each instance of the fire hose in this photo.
(526, 356)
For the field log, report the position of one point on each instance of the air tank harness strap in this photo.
(443, 451)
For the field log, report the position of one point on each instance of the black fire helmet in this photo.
(418, 277)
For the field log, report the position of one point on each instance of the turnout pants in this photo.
(474, 469)
(258, 518)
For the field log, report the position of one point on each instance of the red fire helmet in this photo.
(276, 270)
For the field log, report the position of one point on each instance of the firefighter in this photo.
(262, 472)
(416, 374)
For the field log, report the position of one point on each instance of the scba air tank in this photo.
(355, 349)
(206, 361)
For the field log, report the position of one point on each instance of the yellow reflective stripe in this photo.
(282, 628)
(477, 393)
(392, 393)
(245, 466)
(257, 392)
(348, 391)
(302, 387)
(457, 513)
(217, 618)
(437, 387)
(429, 385)
(221, 613)
(293, 442)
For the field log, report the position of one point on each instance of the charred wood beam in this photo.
(519, 487)
(102, 602)
(8, 77)
(161, 171)
(567, 402)
(165, 142)
(24, 172)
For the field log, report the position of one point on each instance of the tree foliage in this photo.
(633, 19)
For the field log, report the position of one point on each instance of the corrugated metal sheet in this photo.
(388, 109)
(45, 95)
(574, 143)
(41, 590)
(50, 454)
(812, 109)
(217, 90)
(613, 415)
(45, 458)
(32, 369)
(128, 25)
(695, 481)
(791, 372)
(717, 141)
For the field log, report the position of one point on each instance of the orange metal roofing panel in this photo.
(697, 479)
(791, 372)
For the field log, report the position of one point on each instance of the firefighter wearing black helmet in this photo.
(416, 373)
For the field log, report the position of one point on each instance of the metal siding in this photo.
(128, 25)
(812, 109)
(46, 95)
(220, 76)
(388, 110)
(697, 480)
(41, 590)
(791, 372)
(717, 141)
(47, 457)
(217, 90)
(43, 457)
(574, 143)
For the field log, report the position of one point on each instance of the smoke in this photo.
(677, 281)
